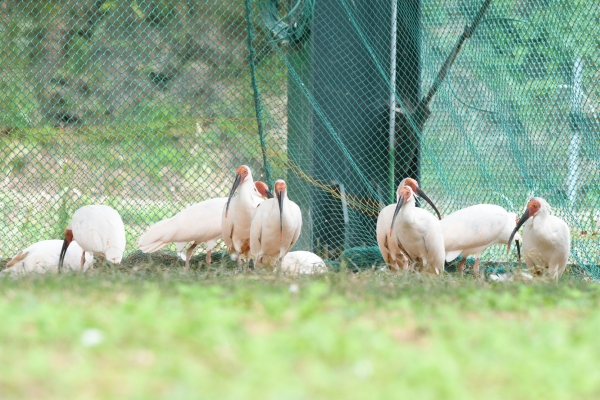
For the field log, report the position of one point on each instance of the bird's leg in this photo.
(208, 259)
(258, 262)
(461, 266)
(476, 268)
(82, 260)
(188, 255)
(245, 250)
(405, 264)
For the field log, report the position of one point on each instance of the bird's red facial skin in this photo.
(405, 193)
(242, 171)
(412, 184)
(261, 187)
(279, 187)
(533, 206)
(69, 235)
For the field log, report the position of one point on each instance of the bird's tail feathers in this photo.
(19, 257)
(152, 240)
(152, 247)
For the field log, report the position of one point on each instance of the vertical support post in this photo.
(300, 137)
(574, 145)
(392, 134)
(257, 102)
(408, 70)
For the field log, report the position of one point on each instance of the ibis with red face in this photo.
(414, 185)
(546, 239)
(276, 226)
(237, 215)
(418, 232)
(98, 229)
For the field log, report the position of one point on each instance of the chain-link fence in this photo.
(149, 106)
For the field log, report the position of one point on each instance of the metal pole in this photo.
(575, 122)
(392, 144)
(257, 102)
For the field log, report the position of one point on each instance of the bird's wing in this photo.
(94, 241)
(451, 255)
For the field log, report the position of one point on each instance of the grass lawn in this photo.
(152, 332)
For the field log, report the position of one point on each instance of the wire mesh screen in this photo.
(149, 105)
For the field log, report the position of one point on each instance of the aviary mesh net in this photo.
(149, 105)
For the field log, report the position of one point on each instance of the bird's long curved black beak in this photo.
(398, 207)
(427, 199)
(270, 194)
(63, 252)
(236, 183)
(280, 196)
(524, 218)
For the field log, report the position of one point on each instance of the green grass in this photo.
(218, 334)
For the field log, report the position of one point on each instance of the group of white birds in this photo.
(264, 226)
(407, 234)
(255, 223)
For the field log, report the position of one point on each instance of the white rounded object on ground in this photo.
(303, 262)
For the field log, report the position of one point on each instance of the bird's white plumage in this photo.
(199, 223)
(303, 262)
(267, 242)
(235, 223)
(99, 229)
(473, 229)
(388, 246)
(546, 241)
(419, 233)
(42, 257)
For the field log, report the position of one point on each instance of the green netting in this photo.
(149, 106)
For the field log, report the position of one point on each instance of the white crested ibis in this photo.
(546, 239)
(263, 189)
(42, 257)
(414, 185)
(473, 229)
(199, 223)
(303, 262)
(418, 232)
(237, 214)
(98, 229)
(276, 226)
(390, 251)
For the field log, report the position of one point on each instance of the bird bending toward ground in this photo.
(199, 223)
(474, 229)
(42, 257)
(546, 239)
(98, 229)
